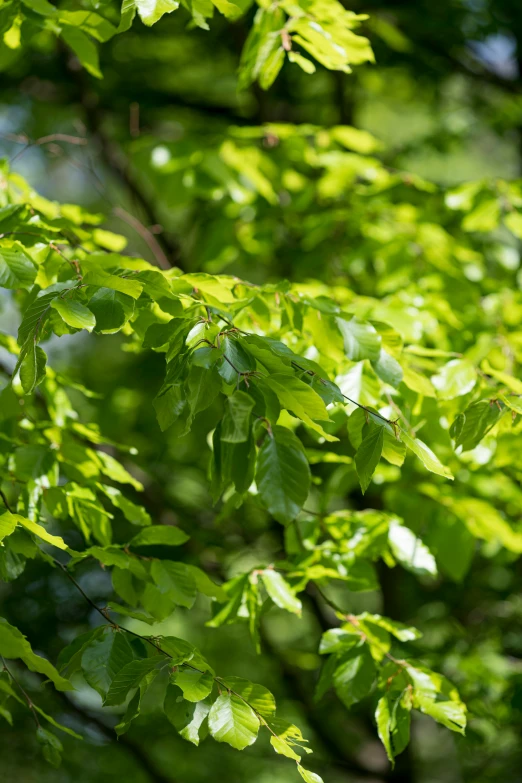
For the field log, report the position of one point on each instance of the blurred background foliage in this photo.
(166, 138)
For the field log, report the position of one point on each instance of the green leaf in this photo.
(309, 777)
(129, 677)
(326, 32)
(393, 450)
(163, 535)
(8, 14)
(125, 612)
(41, 7)
(403, 633)
(159, 335)
(383, 719)
(52, 748)
(271, 67)
(171, 406)
(13, 644)
(236, 360)
(505, 378)
(104, 280)
(513, 221)
(32, 367)
(456, 378)
(388, 369)
(484, 217)
(186, 717)
(205, 585)
(8, 522)
(114, 556)
(103, 658)
(53, 722)
(195, 685)
(232, 721)
(203, 386)
(410, 551)
(236, 421)
(70, 657)
(132, 712)
(484, 521)
(227, 8)
(280, 591)
(368, 456)
(354, 675)
(179, 650)
(84, 49)
(303, 62)
(232, 462)
(34, 317)
(513, 403)
(151, 11)
(283, 748)
(338, 640)
(361, 339)
(101, 29)
(393, 725)
(435, 696)
(41, 532)
(133, 513)
(450, 713)
(454, 546)
(263, 39)
(290, 736)
(16, 268)
(74, 313)
(174, 580)
(128, 12)
(259, 697)
(426, 455)
(111, 309)
(418, 382)
(234, 590)
(299, 398)
(474, 423)
(282, 475)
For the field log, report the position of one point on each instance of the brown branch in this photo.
(117, 162)
(146, 235)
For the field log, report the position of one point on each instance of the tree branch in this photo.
(118, 164)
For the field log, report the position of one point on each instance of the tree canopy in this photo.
(260, 400)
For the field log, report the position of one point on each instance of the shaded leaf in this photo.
(282, 475)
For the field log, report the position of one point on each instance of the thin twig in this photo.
(80, 589)
(6, 502)
(22, 691)
(146, 235)
(50, 139)
(359, 405)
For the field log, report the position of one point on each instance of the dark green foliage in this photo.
(276, 420)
